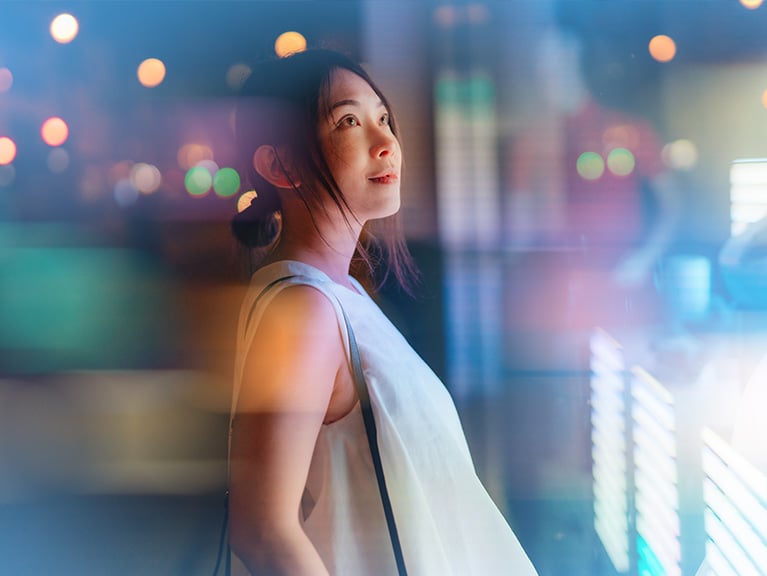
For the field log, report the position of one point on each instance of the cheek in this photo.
(398, 151)
(339, 155)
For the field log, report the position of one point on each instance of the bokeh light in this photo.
(6, 80)
(119, 171)
(210, 165)
(237, 75)
(64, 28)
(289, 43)
(193, 153)
(245, 199)
(590, 166)
(751, 4)
(58, 160)
(446, 15)
(7, 150)
(226, 182)
(620, 161)
(7, 174)
(198, 180)
(477, 13)
(151, 72)
(764, 98)
(681, 154)
(662, 48)
(93, 183)
(54, 131)
(125, 193)
(146, 178)
(621, 136)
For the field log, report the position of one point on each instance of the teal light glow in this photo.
(649, 565)
(198, 181)
(226, 182)
(475, 92)
(590, 166)
(620, 162)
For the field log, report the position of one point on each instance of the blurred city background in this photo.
(585, 190)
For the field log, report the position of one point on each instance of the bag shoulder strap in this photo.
(372, 435)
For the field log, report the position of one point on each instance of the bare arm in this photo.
(287, 386)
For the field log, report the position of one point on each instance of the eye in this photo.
(348, 122)
(385, 120)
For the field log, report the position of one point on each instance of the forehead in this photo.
(345, 84)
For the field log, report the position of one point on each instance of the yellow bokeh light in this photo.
(6, 80)
(151, 72)
(64, 28)
(662, 48)
(289, 43)
(54, 131)
(681, 154)
(751, 4)
(243, 202)
(7, 150)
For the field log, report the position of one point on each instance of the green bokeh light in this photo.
(620, 162)
(590, 166)
(226, 182)
(198, 181)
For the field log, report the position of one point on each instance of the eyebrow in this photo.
(350, 102)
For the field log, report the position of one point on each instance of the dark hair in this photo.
(282, 104)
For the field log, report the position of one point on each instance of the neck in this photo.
(325, 243)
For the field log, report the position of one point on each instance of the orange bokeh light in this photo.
(751, 4)
(151, 72)
(289, 43)
(662, 48)
(764, 98)
(191, 154)
(7, 150)
(243, 202)
(54, 131)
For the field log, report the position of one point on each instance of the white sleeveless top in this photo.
(447, 522)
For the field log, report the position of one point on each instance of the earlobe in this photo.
(273, 167)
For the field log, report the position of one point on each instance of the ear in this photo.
(273, 166)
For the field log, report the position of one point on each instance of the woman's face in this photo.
(361, 151)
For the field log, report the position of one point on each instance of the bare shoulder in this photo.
(295, 353)
(301, 303)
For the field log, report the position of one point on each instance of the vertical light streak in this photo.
(655, 476)
(609, 457)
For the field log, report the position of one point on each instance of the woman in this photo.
(303, 492)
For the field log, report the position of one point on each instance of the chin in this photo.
(392, 208)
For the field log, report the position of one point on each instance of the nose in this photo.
(385, 144)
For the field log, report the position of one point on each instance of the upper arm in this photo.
(287, 384)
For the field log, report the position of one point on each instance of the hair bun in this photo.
(257, 226)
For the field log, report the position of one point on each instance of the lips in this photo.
(385, 178)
